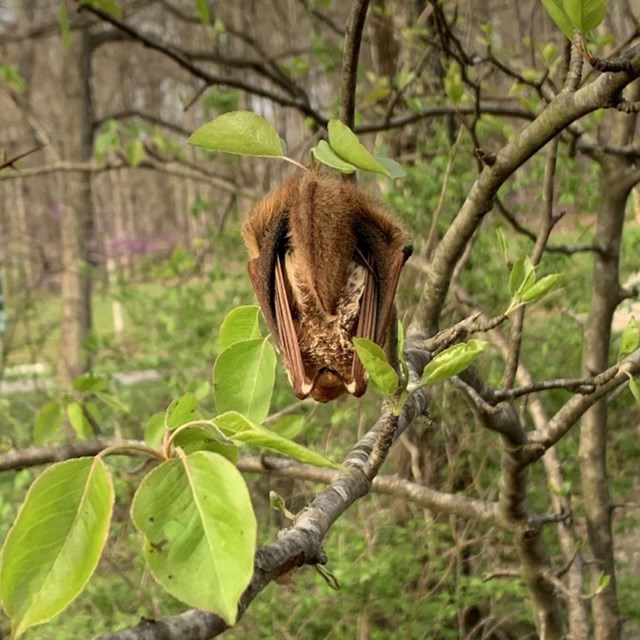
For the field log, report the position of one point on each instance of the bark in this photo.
(77, 221)
(616, 187)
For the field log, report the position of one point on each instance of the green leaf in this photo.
(240, 324)
(78, 420)
(634, 387)
(541, 288)
(630, 338)
(135, 152)
(206, 438)
(453, 360)
(243, 378)
(346, 144)
(48, 421)
(241, 429)
(63, 21)
(585, 14)
(394, 168)
(323, 153)
(374, 360)
(240, 132)
(558, 14)
(55, 543)
(523, 275)
(154, 429)
(199, 527)
(202, 7)
(181, 411)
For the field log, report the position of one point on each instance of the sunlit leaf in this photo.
(56, 541)
(243, 378)
(375, 362)
(181, 411)
(346, 144)
(199, 527)
(240, 429)
(453, 360)
(240, 132)
(634, 387)
(323, 153)
(240, 324)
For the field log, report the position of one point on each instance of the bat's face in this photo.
(324, 262)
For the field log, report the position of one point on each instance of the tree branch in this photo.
(352, 41)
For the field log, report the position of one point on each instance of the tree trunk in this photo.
(616, 187)
(77, 220)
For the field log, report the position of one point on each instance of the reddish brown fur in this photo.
(320, 227)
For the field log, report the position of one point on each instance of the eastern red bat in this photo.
(324, 260)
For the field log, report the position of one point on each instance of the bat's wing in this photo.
(288, 337)
(269, 282)
(262, 272)
(383, 264)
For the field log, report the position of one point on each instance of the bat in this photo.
(324, 261)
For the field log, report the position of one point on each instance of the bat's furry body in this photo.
(324, 261)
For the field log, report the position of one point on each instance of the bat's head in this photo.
(327, 385)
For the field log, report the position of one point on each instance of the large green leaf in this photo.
(453, 360)
(241, 132)
(374, 360)
(56, 541)
(240, 429)
(346, 144)
(243, 378)
(240, 324)
(196, 516)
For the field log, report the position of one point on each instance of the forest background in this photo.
(120, 254)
